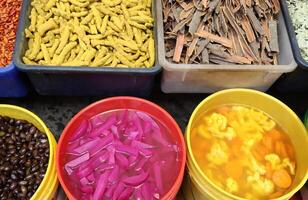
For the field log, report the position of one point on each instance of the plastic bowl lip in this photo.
(7, 68)
(306, 120)
(49, 136)
(194, 162)
(179, 178)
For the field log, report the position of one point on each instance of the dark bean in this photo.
(32, 130)
(22, 183)
(13, 176)
(23, 150)
(23, 191)
(13, 186)
(24, 156)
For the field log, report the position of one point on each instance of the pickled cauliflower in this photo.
(218, 154)
(218, 126)
(277, 163)
(263, 187)
(232, 185)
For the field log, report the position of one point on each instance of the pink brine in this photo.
(122, 154)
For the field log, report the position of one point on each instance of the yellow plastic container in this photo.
(49, 185)
(201, 187)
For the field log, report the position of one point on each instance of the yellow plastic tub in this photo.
(203, 188)
(49, 185)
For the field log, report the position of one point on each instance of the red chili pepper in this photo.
(9, 12)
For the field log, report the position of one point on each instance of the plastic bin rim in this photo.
(184, 67)
(81, 69)
(291, 32)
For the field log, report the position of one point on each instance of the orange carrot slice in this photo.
(268, 143)
(275, 134)
(281, 149)
(224, 110)
(234, 169)
(276, 195)
(269, 170)
(282, 178)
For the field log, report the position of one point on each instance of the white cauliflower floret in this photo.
(263, 187)
(276, 163)
(257, 167)
(287, 163)
(217, 121)
(218, 126)
(232, 185)
(203, 132)
(274, 159)
(218, 154)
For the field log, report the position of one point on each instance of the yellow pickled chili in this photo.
(244, 151)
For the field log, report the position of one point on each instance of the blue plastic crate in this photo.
(12, 82)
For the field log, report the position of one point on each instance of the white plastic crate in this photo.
(208, 78)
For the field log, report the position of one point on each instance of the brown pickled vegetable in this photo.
(221, 31)
(9, 12)
(24, 155)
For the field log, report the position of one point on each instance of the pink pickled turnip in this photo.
(114, 175)
(147, 118)
(110, 190)
(81, 130)
(102, 144)
(126, 194)
(111, 151)
(157, 176)
(117, 192)
(136, 180)
(87, 146)
(142, 145)
(108, 123)
(126, 149)
(87, 189)
(123, 154)
(115, 131)
(77, 161)
(146, 191)
(96, 121)
(145, 152)
(101, 186)
(122, 160)
(137, 194)
(84, 181)
(140, 164)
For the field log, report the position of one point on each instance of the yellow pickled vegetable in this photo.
(72, 32)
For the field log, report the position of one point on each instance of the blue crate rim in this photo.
(7, 68)
(294, 44)
(77, 69)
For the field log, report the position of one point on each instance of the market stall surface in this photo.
(56, 112)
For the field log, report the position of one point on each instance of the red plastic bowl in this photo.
(120, 103)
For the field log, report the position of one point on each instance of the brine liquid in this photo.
(244, 151)
(164, 156)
